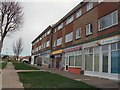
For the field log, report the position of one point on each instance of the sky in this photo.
(38, 15)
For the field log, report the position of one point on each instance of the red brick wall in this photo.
(74, 70)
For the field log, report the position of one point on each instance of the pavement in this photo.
(10, 78)
(102, 83)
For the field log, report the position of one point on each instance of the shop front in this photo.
(57, 61)
(102, 58)
(45, 57)
(73, 59)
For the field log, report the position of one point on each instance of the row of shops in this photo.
(99, 58)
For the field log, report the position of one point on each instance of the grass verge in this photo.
(3, 65)
(32, 80)
(23, 66)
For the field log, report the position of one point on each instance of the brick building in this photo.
(87, 39)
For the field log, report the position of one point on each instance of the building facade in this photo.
(87, 40)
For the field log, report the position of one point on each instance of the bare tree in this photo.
(18, 47)
(11, 19)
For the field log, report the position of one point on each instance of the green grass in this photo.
(23, 66)
(3, 65)
(49, 80)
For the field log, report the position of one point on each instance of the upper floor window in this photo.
(60, 26)
(89, 29)
(44, 45)
(48, 32)
(59, 41)
(69, 37)
(99, 1)
(69, 20)
(47, 43)
(89, 5)
(78, 33)
(55, 30)
(78, 13)
(39, 47)
(108, 20)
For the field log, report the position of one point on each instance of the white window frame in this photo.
(89, 5)
(48, 32)
(47, 43)
(100, 29)
(78, 13)
(59, 41)
(60, 26)
(68, 38)
(89, 29)
(76, 37)
(69, 20)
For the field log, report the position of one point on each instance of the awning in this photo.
(57, 52)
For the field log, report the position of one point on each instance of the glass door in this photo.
(105, 58)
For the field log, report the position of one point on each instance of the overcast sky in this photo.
(38, 15)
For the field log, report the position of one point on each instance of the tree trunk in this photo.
(0, 47)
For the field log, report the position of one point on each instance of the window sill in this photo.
(77, 38)
(107, 27)
(89, 34)
(74, 66)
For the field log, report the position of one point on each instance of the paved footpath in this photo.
(10, 78)
(104, 84)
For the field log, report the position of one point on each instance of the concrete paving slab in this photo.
(10, 78)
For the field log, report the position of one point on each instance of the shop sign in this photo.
(90, 44)
(73, 49)
(110, 40)
(57, 52)
(44, 53)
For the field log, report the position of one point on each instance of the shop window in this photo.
(89, 29)
(115, 55)
(105, 58)
(96, 59)
(71, 61)
(88, 59)
(108, 20)
(78, 60)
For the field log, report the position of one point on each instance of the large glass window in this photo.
(96, 59)
(78, 60)
(88, 59)
(105, 62)
(105, 58)
(59, 41)
(71, 61)
(115, 58)
(108, 20)
(69, 37)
